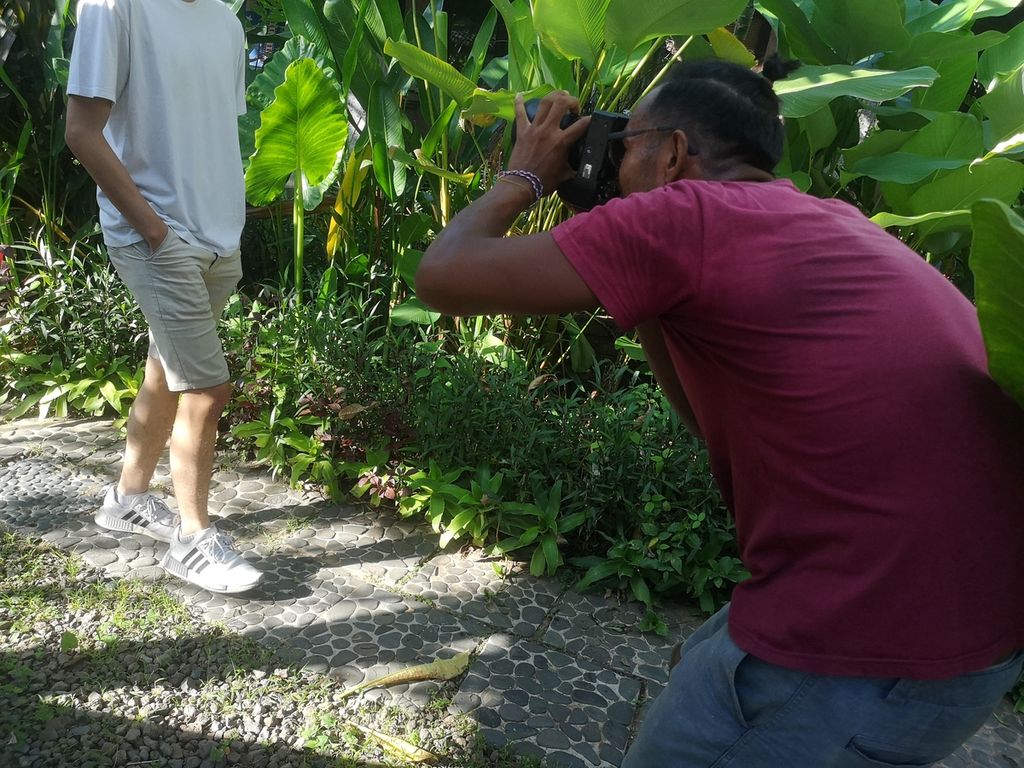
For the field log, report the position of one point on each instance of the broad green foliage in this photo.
(997, 259)
(629, 24)
(301, 136)
(812, 88)
(301, 133)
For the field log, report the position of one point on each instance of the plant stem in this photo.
(298, 220)
(668, 65)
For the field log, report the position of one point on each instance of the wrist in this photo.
(525, 178)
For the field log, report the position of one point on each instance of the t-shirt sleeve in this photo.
(100, 57)
(640, 255)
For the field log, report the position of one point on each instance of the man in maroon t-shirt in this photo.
(874, 469)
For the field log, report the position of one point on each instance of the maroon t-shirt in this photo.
(875, 470)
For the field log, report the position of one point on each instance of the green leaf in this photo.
(68, 641)
(1011, 146)
(477, 55)
(435, 71)
(413, 312)
(598, 572)
(574, 28)
(999, 178)
(730, 48)
(537, 564)
(500, 104)
(633, 350)
(384, 118)
(858, 28)
(571, 522)
(997, 260)
(640, 589)
(1003, 58)
(261, 91)
(947, 219)
(302, 132)
(951, 15)
(549, 545)
(904, 167)
(933, 46)
(804, 41)
(629, 23)
(1004, 105)
(811, 88)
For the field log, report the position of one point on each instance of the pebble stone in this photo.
(355, 594)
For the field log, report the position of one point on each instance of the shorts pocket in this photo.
(868, 753)
(170, 238)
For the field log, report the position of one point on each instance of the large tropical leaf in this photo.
(302, 132)
(952, 14)
(385, 121)
(261, 92)
(997, 260)
(933, 46)
(1006, 57)
(629, 23)
(804, 41)
(811, 88)
(1004, 105)
(522, 65)
(999, 178)
(421, 64)
(858, 28)
(938, 221)
(574, 28)
(905, 167)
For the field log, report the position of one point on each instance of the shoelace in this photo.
(217, 547)
(157, 511)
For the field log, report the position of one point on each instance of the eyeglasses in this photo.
(617, 147)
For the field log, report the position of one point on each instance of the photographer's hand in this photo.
(542, 146)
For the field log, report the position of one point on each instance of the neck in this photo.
(735, 172)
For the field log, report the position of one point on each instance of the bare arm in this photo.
(472, 268)
(652, 339)
(86, 119)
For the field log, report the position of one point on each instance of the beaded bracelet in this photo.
(531, 178)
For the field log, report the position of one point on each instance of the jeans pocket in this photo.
(868, 753)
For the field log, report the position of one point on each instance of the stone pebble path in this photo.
(356, 593)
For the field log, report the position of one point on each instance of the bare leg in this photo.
(193, 440)
(149, 426)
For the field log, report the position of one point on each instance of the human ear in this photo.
(679, 163)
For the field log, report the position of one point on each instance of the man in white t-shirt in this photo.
(155, 89)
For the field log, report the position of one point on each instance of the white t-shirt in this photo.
(175, 71)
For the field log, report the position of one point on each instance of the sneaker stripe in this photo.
(137, 519)
(191, 558)
(202, 566)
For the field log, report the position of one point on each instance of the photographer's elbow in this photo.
(429, 283)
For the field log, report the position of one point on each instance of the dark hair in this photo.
(731, 111)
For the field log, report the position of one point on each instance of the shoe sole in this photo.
(175, 568)
(111, 523)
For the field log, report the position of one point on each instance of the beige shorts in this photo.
(182, 290)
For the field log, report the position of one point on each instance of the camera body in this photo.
(596, 179)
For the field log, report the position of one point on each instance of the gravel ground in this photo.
(97, 673)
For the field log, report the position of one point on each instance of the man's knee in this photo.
(208, 401)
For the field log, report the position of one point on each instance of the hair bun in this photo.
(777, 68)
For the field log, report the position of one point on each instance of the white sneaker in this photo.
(139, 513)
(208, 559)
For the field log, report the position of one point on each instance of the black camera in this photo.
(595, 158)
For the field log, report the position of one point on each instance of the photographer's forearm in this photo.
(490, 216)
(652, 339)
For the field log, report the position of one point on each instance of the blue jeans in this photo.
(724, 707)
